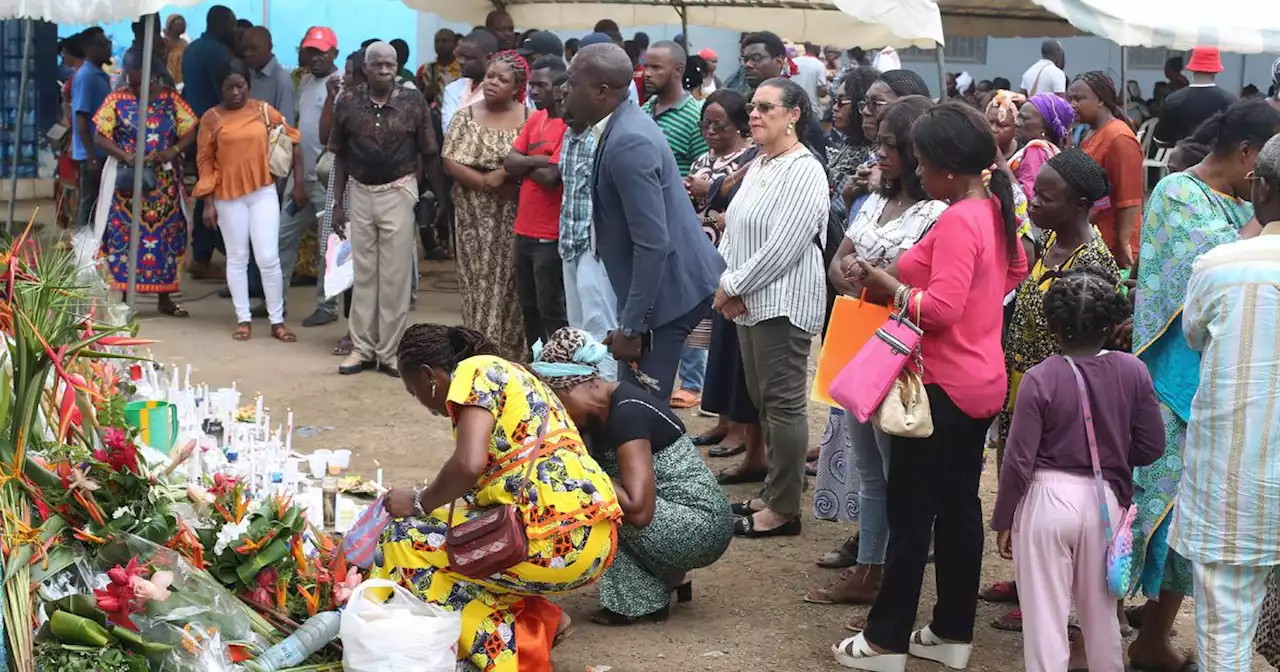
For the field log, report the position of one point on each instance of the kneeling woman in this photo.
(675, 516)
(565, 501)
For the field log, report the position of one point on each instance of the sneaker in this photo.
(319, 319)
(354, 364)
(390, 369)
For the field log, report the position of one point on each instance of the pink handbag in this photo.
(865, 381)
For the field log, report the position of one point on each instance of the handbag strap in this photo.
(528, 470)
(1086, 409)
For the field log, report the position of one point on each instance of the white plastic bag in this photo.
(339, 271)
(403, 634)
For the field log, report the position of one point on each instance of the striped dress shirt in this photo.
(575, 158)
(1228, 504)
(775, 230)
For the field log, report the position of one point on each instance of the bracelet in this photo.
(902, 296)
(418, 511)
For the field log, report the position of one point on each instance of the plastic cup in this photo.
(342, 458)
(319, 462)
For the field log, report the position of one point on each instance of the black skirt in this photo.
(725, 389)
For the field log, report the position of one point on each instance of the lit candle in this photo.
(186, 381)
(288, 433)
(378, 478)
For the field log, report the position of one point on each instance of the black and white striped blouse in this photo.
(775, 230)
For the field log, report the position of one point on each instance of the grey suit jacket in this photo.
(660, 263)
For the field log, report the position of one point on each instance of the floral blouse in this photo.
(880, 244)
(567, 488)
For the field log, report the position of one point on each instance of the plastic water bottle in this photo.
(312, 636)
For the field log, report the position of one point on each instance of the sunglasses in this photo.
(844, 102)
(867, 106)
(765, 107)
(714, 126)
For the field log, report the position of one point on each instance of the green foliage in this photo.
(54, 657)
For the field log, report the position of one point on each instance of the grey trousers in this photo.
(775, 357)
(381, 224)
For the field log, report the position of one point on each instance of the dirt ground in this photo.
(746, 614)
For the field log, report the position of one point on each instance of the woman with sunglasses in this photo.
(852, 191)
(852, 478)
(774, 289)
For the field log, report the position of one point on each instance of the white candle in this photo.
(379, 478)
(288, 433)
(258, 414)
(186, 381)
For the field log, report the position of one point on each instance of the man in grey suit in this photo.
(662, 267)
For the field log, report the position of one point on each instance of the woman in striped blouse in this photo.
(774, 289)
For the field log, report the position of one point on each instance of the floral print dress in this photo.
(1029, 341)
(163, 229)
(485, 228)
(569, 508)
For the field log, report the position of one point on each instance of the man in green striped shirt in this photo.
(675, 111)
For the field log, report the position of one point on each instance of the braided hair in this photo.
(1082, 307)
(1105, 89)
(1084, 177)
(440, 347)
(519, 70)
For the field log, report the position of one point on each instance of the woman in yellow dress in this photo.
(570, 510)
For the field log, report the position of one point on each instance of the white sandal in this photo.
(854, 653)
(926, 645)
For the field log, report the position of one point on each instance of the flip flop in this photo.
(685, 399)
(1000, 592)
(1010, 622)
(727, 451)
(727, 478)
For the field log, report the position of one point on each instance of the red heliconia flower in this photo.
(222, 484)
(118, 599)
(115, 438)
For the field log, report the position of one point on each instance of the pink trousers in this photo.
(1059, 554)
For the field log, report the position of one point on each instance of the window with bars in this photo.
(959, 49)
(1150, 58)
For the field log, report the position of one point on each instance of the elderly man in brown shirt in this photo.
(382, 139)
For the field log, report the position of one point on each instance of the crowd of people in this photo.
(634, 234)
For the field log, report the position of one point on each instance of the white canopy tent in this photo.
(85, 12)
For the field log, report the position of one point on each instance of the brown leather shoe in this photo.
(859, 585)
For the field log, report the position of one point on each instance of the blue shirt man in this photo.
(201, 63)
(89, 89)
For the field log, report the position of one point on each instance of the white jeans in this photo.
(255, 218)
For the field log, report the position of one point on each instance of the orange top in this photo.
(1118, 151)
(232, 150)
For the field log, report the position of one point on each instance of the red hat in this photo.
(320, 38)
(1205, 59)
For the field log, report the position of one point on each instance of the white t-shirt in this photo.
(811, 75)
(1044, 77)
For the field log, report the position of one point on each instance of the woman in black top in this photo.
(675, 517)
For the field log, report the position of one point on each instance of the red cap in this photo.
(320, 38)
(1205, 59)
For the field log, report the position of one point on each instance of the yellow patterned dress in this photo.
(571, 516)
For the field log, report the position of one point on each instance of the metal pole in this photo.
(942, 72)
(140, 158)
(684, 23)
(1124, 78)
(266, 13)
(28, 28)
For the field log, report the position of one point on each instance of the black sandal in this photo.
(746, 527)
(613, 618)
(704, 440)
(742, 508)
(843, 557)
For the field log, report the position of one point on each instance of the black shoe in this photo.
(746, 527)
(613, 618)
(742, 509)
(389, 370)
(684, 592)
(352, 366)
(709, 439)
(319, 319)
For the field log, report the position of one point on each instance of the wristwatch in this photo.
(418, 511)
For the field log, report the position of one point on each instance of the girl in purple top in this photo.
(1047, 515)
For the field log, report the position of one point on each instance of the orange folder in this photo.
(853, 323)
